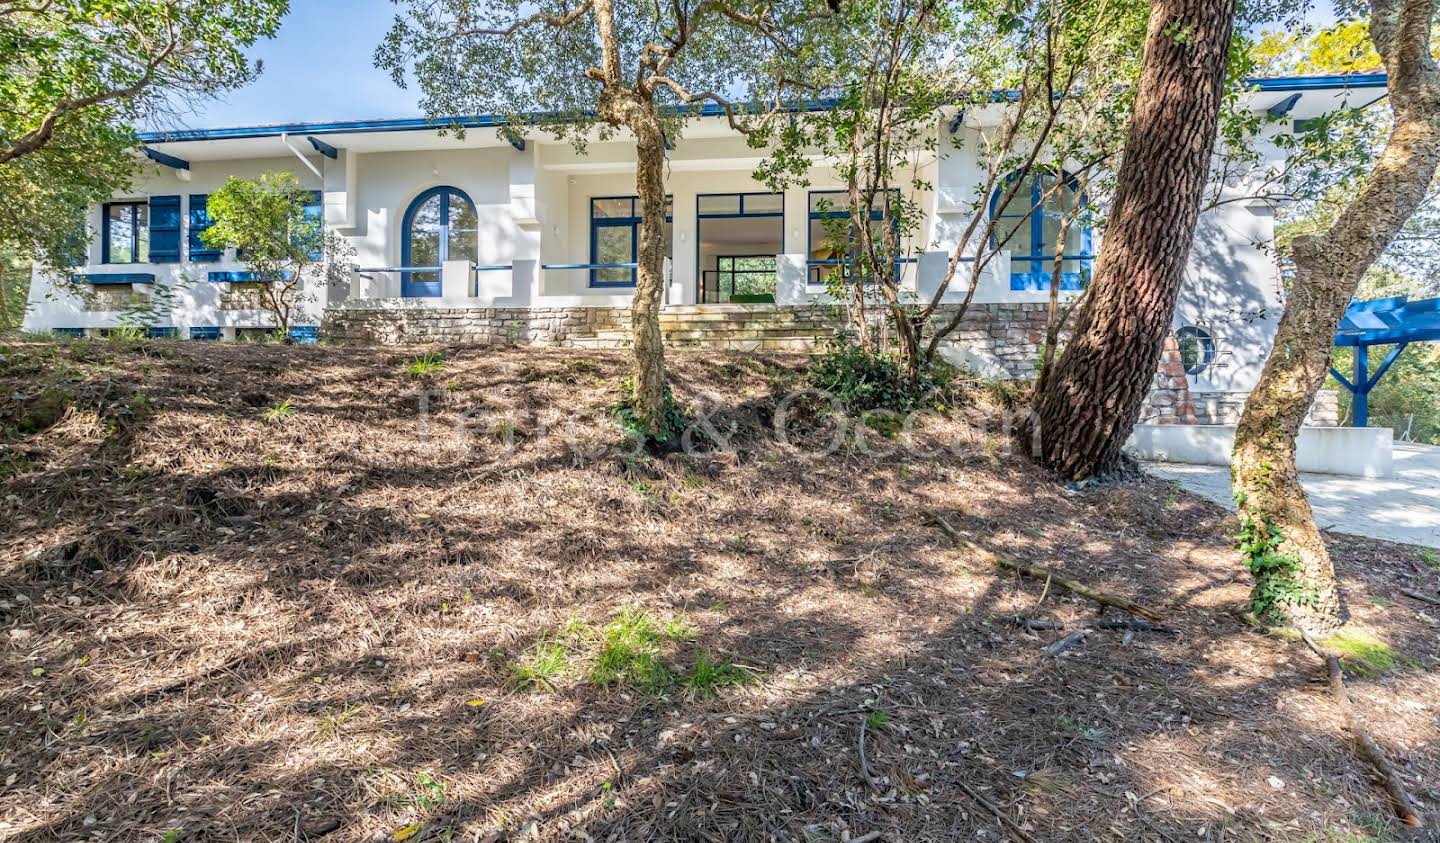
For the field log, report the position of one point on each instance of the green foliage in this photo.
(672, 424)
(279, 413)
(76, 75)
(426, 365)
(265, 218)
(1407, 399)
(541, 666)
(1278, 579)
(1364, 654)
(871, 380)
(630, 653)
(635, 650)
(878, 719)
(1084, 732)
(707, 677)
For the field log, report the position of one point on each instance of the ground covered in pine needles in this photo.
(274, 594)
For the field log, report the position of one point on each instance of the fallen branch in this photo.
(1423, 598)
(1036, 624)
(864, 764)
(1131, 626)
(1046, 574)
(1366, 745)
(1011, 827)
(1060, 646)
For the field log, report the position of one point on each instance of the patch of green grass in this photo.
(1431, 559)
(708, 677)
(1080, 730)
(279, 413)
(630, 649)
(425, 366)
(539, 668)
(332, 722)
(877, 720)
(1365, 655)
(635, 649)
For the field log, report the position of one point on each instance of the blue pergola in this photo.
(1394, 321)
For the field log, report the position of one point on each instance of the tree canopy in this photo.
(76, 77)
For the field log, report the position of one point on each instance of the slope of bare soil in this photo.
(226, 617)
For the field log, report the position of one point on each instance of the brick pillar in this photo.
(1170, 401)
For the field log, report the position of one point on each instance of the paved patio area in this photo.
(1402, 508)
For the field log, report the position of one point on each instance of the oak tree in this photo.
(1295, 579)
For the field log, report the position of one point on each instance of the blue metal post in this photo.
(1361, 404)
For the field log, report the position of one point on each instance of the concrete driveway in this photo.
(1403, 508)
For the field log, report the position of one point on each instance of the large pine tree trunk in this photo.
(1295, 581)
(1093, 396)
(649, 360)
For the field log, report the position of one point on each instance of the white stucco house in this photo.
(477, 239)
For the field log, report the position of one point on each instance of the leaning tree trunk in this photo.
(649, 360)
(1094, 393)
(1295, 581)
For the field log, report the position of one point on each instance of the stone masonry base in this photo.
(1007, 335)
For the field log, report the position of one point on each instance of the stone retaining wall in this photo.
(1005, 337)
(1010, 334)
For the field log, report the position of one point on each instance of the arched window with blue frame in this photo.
(1029, 227)
(439, 226)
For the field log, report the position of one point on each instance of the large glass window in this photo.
(1029, 227)
(440, 225)
(738, 237)
(615, 239)
(834, 245)
(126, 233)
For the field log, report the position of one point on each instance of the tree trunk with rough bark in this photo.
(622, 104)
(1093, 394)
(649, 359)
(1295, 580)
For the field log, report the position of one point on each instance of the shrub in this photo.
(672, 424)
(875, 380)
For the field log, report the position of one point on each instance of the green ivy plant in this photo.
(1278, 578)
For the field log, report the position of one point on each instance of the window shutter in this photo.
(200, 220)
(164, 229)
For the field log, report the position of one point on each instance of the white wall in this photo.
(533, 207)
(196, 301)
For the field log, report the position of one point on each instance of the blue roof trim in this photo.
(494, 121)
(1317, 83)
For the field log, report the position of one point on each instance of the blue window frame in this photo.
(823, 256)
(439, 226)
(200, 220)
(162, 333)
(125, 235)
(1029, 226)
(68, 332)
(210, 333)
(615, 239)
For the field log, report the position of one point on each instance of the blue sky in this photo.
(319, 68)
